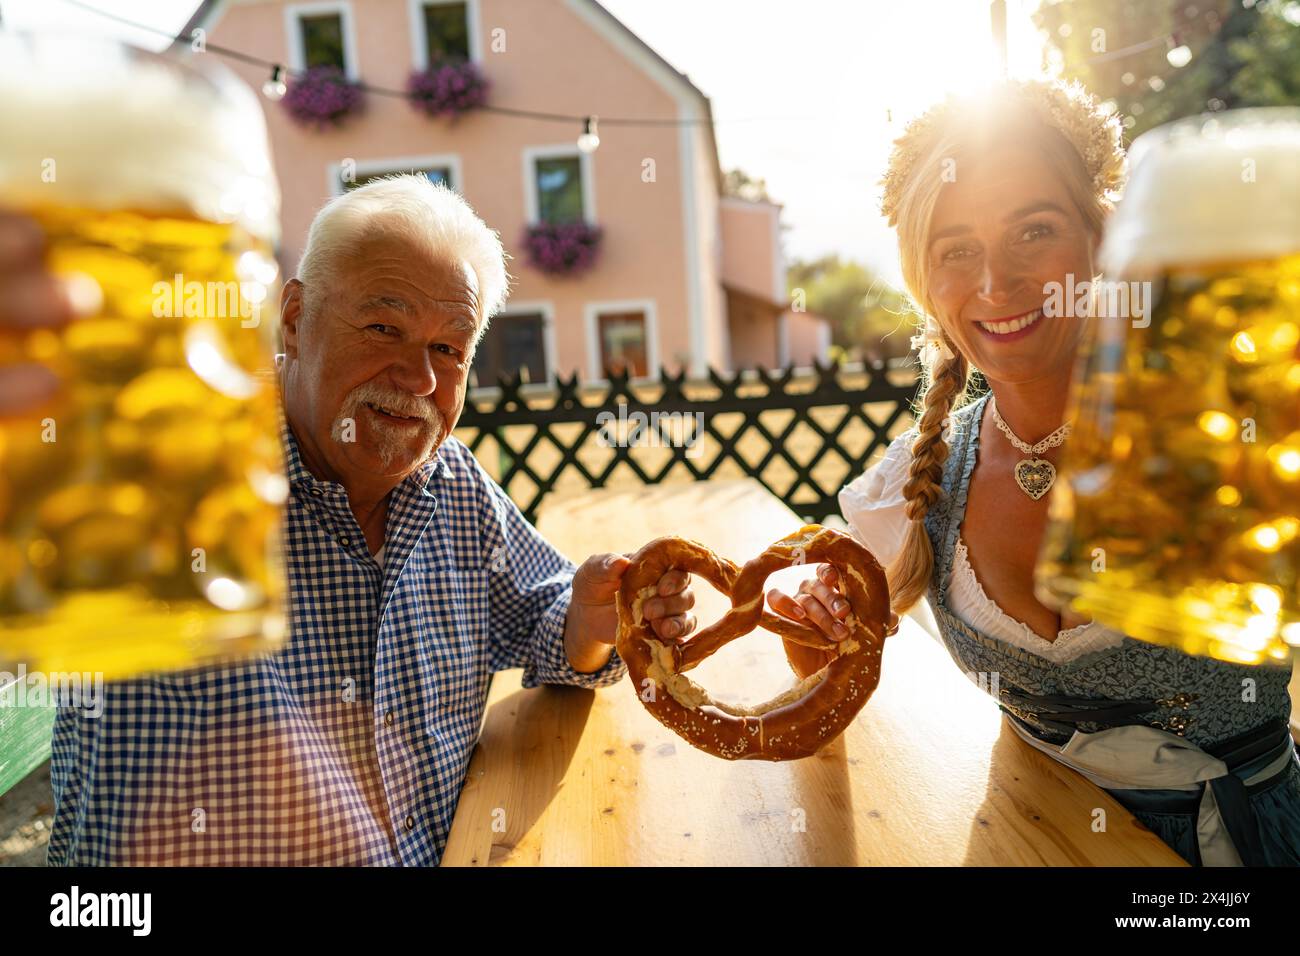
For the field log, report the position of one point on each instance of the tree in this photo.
(740, 184)
(1243, 53)
(867, 315)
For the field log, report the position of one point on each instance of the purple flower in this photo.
(322, 97)
(448, 88)
(566, 248)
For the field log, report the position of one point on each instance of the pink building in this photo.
(685, 277)
(764, 329)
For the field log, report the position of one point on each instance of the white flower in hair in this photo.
(931, 345)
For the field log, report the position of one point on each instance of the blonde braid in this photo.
(909, 573)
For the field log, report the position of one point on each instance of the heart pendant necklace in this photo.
(1034, 475)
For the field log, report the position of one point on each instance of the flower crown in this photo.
(1096, 134)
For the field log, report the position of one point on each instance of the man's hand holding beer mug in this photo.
(29, 298)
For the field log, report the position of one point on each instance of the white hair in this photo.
(410, 207)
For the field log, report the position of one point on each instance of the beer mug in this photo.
(140, 508)
(1177, 516)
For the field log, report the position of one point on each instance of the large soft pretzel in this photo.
(796, 723)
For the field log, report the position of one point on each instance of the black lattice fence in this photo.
(802, 433)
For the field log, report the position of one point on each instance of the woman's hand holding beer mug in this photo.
(821, 603)
(29, 296)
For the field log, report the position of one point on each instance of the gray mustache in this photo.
(393, 401)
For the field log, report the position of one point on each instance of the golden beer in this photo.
(140, 509)
(1177, 516)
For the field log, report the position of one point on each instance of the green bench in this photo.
(24, 741)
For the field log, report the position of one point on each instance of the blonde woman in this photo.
(992, 203)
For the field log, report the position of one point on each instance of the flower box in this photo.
(562, 249)
(448, 88)
(323, 97)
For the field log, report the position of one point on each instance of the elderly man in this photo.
(412, 578)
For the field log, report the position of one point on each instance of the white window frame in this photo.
(419, 42)
(398, 164)
(293, 33)
(546, 309)
(586, 166)
(591, 321)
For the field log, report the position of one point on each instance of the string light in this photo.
(279, 75)
(275, 88)
(1179, 55)
(589, 140)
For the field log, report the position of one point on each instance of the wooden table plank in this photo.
(926, 775)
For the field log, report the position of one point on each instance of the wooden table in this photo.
(926, 775)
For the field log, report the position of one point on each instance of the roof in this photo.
(753, 298)
(704, 100)
(199, 18)
(758, 204)
(207, 11)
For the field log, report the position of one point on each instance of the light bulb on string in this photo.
(1179, 54)
(274, 88)
(589, 139)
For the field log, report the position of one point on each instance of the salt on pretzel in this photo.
(794, 724)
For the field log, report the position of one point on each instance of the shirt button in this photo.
(388, 718)
(317, 492)
(346, 542)
(410, 823)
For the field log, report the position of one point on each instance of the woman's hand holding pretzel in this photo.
(819, 602)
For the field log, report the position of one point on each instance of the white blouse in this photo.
(874, 506)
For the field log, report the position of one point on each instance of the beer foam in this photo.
(1223, 188)
(89, 122)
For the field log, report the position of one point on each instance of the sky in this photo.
(807, 96)
(810, 96)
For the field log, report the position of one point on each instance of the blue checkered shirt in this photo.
(350, 744)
